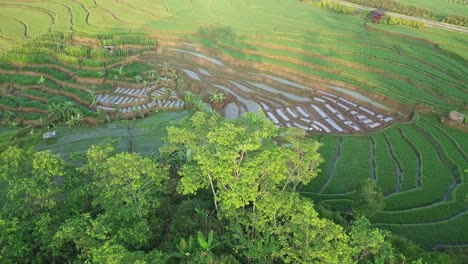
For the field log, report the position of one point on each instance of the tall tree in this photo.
(127, 187)
(368, 199)
(29, 182)
(30, 179)
(248, 165)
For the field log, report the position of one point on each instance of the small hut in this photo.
(377, 15)
(49, 135)
(456, 117)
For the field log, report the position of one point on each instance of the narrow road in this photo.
(429, 23)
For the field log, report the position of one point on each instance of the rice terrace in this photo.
(382, 86)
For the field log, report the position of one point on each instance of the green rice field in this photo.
(420, 165)
(431, 70)
(440, 7)
(421, 169)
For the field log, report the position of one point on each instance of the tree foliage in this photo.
(220, 192)
(457, 20)
(337, 7)
(368, 199)
(251, 168)
(396, 7)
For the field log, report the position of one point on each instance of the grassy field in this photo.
(143, 135)
(428, 196)
(420, 167)
(440, 8)
(6, 135)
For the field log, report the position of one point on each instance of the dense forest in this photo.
(218, 192)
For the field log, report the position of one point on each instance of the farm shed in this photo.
(456, 116)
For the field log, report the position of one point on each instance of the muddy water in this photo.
(287, 95)
(252, 85)
(418, 156)
(372, 160)
(251, 105)
(231, 111)
(284, 81)
(360, 97)
(331, 170)
(212, 60)
(192, 74)
(397, 162)
(241, 87)
(204, 72)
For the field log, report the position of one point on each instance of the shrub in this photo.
(390, 20)
(337, 7)
(456, 20)
(395, 6)
(77, 51)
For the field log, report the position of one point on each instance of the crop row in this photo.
(355, 157)
(374, 56)
(414, 210)
(397, 89)
(436, 177)
(386, 166)
(445, 232)
(407, 157)
(328, 150)
(434, 213)
(52, 47)
(356, 50)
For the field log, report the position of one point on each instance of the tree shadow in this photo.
(227, 41)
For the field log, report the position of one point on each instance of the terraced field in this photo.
(410, 70)
(326, 109)
(421, 169)
(93, 80)
(316, 70)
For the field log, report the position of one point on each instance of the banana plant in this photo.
(138, 78)
(205, 244)
(41, 81)
(92, 97)
(121, 71)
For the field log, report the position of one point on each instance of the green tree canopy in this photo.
(368, 199)
(251, 167)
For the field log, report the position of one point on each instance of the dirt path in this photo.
(428, 22)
